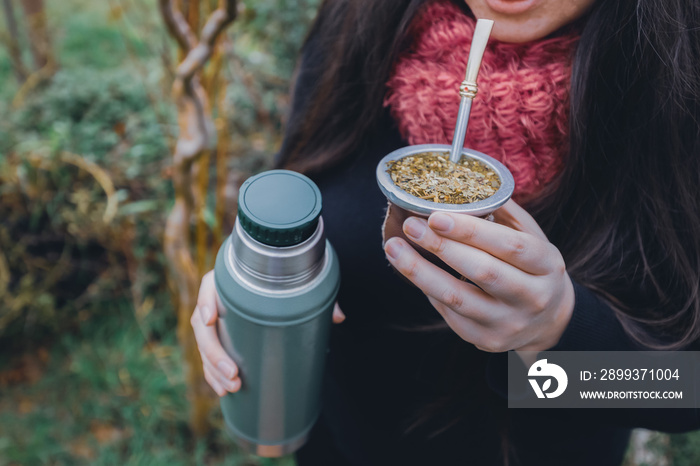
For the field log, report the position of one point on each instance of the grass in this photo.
(109, 392)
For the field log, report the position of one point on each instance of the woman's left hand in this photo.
(524, 298)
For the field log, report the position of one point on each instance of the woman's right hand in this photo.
(220, 371)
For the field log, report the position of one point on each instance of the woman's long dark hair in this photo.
(625, 212)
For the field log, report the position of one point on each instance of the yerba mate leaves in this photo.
(431, 176)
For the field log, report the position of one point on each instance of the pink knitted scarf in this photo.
(520, 114)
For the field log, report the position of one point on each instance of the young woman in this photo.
(594, 105)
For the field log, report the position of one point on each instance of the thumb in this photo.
(338, 315)
(207, 300)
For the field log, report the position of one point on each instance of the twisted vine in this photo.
(197, 134)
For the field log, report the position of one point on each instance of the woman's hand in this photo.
(524, 297)
(220, 371)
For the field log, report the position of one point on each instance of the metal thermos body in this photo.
(277, 278)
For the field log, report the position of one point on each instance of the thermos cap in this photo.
(279, 207)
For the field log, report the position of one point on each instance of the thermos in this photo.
(277, 278)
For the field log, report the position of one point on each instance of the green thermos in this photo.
(277, 278)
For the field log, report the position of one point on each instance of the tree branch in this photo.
(198, 55)
(177, 25)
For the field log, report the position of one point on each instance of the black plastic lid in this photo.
(279, 207)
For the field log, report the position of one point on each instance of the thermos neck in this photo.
(274, 268)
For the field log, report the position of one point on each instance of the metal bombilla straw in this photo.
(423, 207)
(468, 88)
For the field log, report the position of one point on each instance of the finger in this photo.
(466, 328)
(525, 251)
(206, 301)
(494, 276)
(460, 296)
(338, 315)
(483, 337)
(230, 385)
(210, 349)
(211, 380)
(517, 218)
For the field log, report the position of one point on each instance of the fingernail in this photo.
(414, 227)
(205, 313)
(231, 385)
(393, 248)
(234, 386)
(221, 391)
(441, 222)
(226, 369)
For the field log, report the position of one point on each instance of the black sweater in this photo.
(398, 393)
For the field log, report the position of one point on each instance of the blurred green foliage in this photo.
(280, 23)
(107, 115)
(110, 105)
(90, 370)
(684, 449)
(53, 211)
